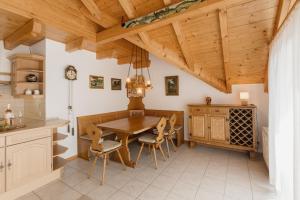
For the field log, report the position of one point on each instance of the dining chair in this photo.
(102, 148)
(169, 133)
(154, 141)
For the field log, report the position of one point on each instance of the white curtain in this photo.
(284, 109)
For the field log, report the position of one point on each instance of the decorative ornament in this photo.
(208, 100)
(137, 84)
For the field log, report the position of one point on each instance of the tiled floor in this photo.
(200, 173)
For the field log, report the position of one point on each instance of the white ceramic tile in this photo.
(118, 181)
(87, 185)
(134, 187)
(213, 185)
(208, 195)
(164, 182)
(102, 192)
(238, 192)
(191, 178)
(29, 196)
(153, 192)
(121, 196)
(74, 179)
(187, 190)
(50, 190)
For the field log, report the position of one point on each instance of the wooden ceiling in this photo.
(221, 42)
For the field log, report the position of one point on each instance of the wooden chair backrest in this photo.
(172, 122)
(160, 129)
(96, 136)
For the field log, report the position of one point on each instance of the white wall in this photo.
(194, 91)
(86, 101)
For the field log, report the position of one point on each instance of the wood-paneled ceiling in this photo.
(221, 42)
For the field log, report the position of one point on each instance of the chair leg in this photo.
(121, 159)
(139, 154)
(149, 146)
(174, 147)
(162, 152)
(93, 167)
(104, 167)
(168, 149)
(154, 153)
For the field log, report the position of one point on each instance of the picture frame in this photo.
(172, 85)
(116, 84)
(96, 82)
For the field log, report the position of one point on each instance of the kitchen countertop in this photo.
(31, 124)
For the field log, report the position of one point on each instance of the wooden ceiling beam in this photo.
(105, 19)
(48, 14)
(118, 32)
(170, 56)
(75, 45)
(183, 45)
(282, 11)
(30, 33)
(167, 2)
(225, 45)
(129, 8)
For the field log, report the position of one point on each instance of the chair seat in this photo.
(148, 138)
(166, 133)
(108, 145)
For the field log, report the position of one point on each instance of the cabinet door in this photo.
(2, 170)
(27, 161)
(219, 129)
(198, 126)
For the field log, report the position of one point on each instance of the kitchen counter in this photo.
(32, 124)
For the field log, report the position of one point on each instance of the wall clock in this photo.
(71, 73)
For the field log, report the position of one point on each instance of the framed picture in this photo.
(116, 84)
(172, 85)
(96, 82)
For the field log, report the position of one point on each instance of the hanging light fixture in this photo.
(136, 84)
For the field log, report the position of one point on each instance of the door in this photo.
(2, 170)
(27, 161)
(198, 126)
(219, 129)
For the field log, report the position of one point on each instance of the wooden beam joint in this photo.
(30, 33)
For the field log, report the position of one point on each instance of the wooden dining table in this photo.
(129, 127)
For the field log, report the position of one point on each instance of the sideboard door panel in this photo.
(27, 161)
(198, 126)
(219, 129)
(2, 170)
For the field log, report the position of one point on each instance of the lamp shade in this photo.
(244, 95)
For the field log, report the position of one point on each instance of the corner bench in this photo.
(83, 141)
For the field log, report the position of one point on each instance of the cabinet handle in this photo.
(9, 164)
(1, 167)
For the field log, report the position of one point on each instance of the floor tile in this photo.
(186, 190)
(164, 182)
(153, 192)
(134, 187)
(102, 192)
(29, 196)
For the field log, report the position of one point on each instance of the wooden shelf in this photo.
(19, 83)
(58, 150)
(5, 82)
(30, 70)
(30, 96)
(5, 73)
(59, 136)
(58, 162)
(27, 57)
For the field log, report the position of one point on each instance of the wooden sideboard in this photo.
(228, 126)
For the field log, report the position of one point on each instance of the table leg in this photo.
(124, 151)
